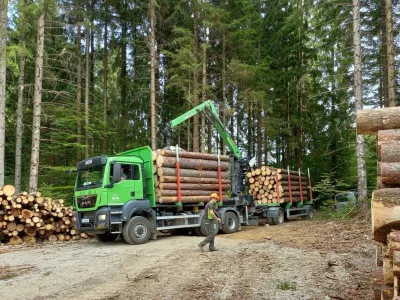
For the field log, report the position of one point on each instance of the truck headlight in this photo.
(102, 217)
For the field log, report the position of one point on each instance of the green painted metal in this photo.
(308, 202)
(299, 204)
(288, 205)
(269, 204)
(145, 154)
(211, 113)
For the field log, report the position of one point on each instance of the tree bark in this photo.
(188, 163)
(174, 179)
(191, 173)
(372, 120)
(198, 155)
(196, 133)
(20, 111)
(153, 74)
(124, 79)
(79, 89)
(3, 67)
(193, 186)
(390, 174)
(223, 102)
(87, 81)
(361, 169)
(390, 55)
(37, 102)
(168, 193)
(105, 79)
(204, 90)
(383, 55)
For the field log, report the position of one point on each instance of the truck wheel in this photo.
(106, 237)
(137, 230)
(231, 222)
(279, 219)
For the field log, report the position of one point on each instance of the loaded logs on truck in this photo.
(271, 185)
(31, 218)
(197, 178)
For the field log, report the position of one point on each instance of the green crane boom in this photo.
(209, 110)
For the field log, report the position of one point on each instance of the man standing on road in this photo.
(210, 221)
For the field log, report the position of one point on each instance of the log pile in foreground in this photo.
(270, 185)
(31, 218)
(198, 176)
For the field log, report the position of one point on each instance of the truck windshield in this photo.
(90, 177)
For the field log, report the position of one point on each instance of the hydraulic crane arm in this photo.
(211, 113)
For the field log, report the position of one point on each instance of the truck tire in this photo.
(137, 230)
(277, 220)
(106, 237)
(231, 223)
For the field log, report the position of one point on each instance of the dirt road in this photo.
(297, 260)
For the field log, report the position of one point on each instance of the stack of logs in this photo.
(31, 218)
(270, 185)
(198, 176)
(385, 212)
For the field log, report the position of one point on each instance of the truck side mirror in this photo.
(116, 177)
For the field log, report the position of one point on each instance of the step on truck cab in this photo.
(115, 195)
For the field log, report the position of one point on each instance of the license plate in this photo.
(85, 221)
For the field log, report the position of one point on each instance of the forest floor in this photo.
(297, 260)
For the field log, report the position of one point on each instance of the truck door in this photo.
(129, 187)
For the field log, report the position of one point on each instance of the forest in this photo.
(86, 78)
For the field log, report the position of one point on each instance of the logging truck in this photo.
(140, 192)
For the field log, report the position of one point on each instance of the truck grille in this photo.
(87, 201)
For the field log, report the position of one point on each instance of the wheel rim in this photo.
(231, 223)
(140, 231)
(280, 217)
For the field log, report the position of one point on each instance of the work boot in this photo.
(201, 247)
(213, 249)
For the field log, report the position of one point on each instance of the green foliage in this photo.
(327, 188)
(286, 286)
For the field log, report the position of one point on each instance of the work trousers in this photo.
(212, 231)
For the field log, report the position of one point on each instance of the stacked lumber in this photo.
(31, 218)
(385, 212)
(271, 185)
(198, 176)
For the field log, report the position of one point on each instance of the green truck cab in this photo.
(115, 195)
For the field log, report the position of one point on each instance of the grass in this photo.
(286, 286)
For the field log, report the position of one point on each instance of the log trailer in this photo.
(107, 207)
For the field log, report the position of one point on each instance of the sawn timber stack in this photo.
(198, 176)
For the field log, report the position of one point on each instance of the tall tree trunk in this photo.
(250, 127)
(124, 79)
(390, 55)
(383, 55)
(153, 74)
(3, 66)
(105, 79)
(79, 90)
(37, 102)
(204, 90)
(87, 82)
(209, 139)
(259, 133)
(223, 101)
(196, 137)
(20, 111)
(362, 175)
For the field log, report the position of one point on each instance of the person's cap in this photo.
(214, 195)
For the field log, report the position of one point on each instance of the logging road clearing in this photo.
(296, 260)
